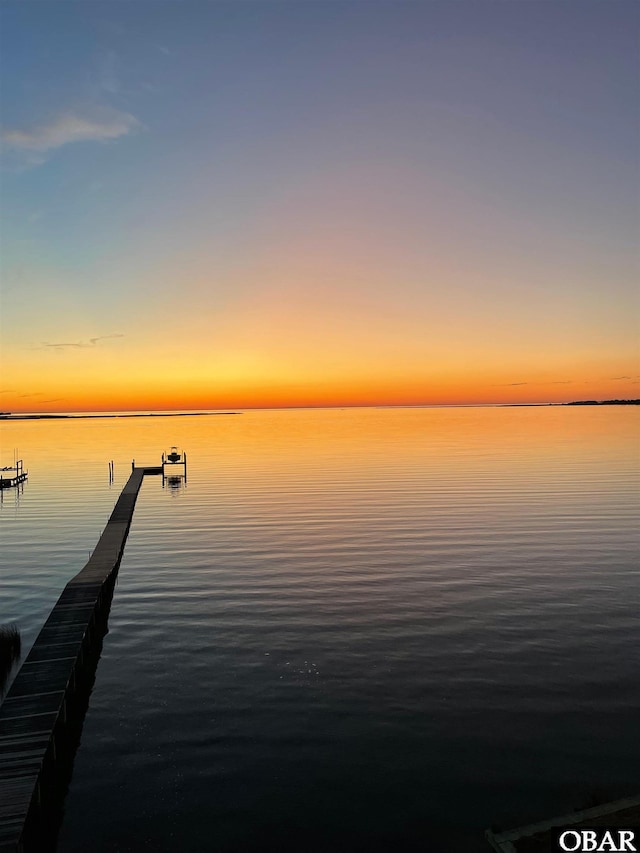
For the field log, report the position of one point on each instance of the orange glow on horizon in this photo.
(156, 395)
(305, 358)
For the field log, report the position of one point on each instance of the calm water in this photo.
(351, 630)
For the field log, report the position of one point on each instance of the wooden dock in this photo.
(36, 723)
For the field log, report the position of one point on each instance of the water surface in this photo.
(351, 630)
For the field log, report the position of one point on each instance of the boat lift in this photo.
(174, 466)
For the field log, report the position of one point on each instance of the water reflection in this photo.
(174, 484)
(421, 608)
(12, 495)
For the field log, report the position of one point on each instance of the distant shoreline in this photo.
(8, 416)
(579, 403)
(602, 403)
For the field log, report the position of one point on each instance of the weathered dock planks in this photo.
(41, 715)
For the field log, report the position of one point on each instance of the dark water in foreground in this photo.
(352, 630)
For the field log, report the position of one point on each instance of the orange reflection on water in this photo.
(294, 442)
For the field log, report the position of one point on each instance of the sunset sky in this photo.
(234, 204)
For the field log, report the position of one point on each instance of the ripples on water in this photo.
(352, 630)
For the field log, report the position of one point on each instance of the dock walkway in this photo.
(33, 715)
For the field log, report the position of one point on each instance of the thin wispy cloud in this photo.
(92, 342)
(68, 128)
(517, 384)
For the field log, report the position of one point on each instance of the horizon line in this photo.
(114, 413)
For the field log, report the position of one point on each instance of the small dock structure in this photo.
(13, 475)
